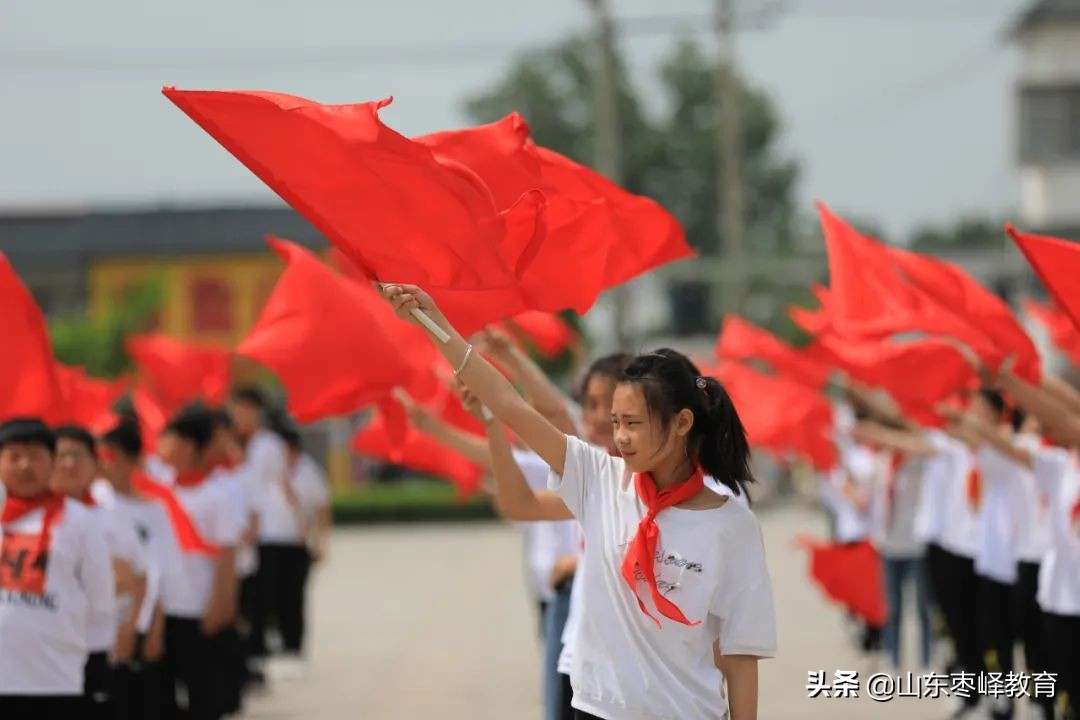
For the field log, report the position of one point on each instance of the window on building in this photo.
(211, 303)
(1049, 124)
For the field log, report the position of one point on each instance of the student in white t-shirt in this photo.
(204, 605)
(55, 574)
(264, 470)
(137, 688)
(112, 638)
(295, 529)
(677, 597)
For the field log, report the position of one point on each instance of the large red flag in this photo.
(953, 288)
(1063, 334)
(851, 576)
(741, 340)
(1057, 263)
(333, 342)
(385, 201)
(30, 387)
(419, 452)
(85, 400)
(177, 373)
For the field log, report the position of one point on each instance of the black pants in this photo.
(282, 588)
(997, 633)
(579, 715)
(957, 594)
(192, 669)
(98, 687)
(230, 655)
(937, 569)
(137, 688)
(38, 707)
(1063, 646)
(1031, 627)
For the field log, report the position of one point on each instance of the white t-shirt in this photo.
(162, 551)
(544, 542)
(265, 470)
(215, 516)
(237, 488)
(713, 567)
(1058, 476)
(286, 521)
(1002, 502)
(43, 638)
(123, 543)
(1033, 520)
(950, 465)
(860, 466)
(894, 507)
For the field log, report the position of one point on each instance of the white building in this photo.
(1048, 99)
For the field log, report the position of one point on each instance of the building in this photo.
(1048, 127)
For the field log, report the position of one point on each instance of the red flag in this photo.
(151, 414)
(30, 387)
(1063, 334)
(177, 373)
(332, 342)
(851, 576)
(780, 414)
(953, 288)
(385, 201)
(548, 333)
(869, 296)
(1057, 263)
(606, 233)
(741, 340)
(419, 452)
(918, 374)
(85, 400)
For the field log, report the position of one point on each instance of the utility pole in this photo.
(608, 138)
(730, 223)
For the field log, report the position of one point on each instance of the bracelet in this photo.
(464, 360)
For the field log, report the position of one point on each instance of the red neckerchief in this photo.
(187, 534)
(223, 464)
(974, 488)
(642, 550)
(191, 478)
(16, 508)
(87, 498)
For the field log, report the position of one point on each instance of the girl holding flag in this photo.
(679, 597)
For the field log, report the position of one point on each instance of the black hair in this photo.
(670, 382)
(30, 431)
(221, 419)
(612, 366)
(251, 395)
(79, 434)
(994, 399)
(1017, 418)
(281, 424)
(126, 438)
(194, 425)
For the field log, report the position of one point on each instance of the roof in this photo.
(30, 239)
(1047, 12)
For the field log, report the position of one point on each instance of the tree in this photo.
(671, 157)
(967, 233)
(97, 344)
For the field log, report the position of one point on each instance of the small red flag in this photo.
(30, 387)
(1057, 263)
(177, 373)
(741, 340)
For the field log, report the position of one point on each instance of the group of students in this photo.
(982, 518)
(641, 546)
(141, 585)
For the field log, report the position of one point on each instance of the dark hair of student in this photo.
(194, 425)
(994, 399)
(29, 431)
(670, 383)
(251, 395)
(126, 438)
(1016, 418)
(610, 366)
(78, 434)
(279, 423)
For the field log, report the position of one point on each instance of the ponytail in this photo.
(723, 450)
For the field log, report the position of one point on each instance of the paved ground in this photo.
(411, 623)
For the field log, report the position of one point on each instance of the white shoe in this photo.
(288, 668)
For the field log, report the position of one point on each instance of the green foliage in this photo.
(968, 233)
(672, 157)
(410, 500)
(97, 344)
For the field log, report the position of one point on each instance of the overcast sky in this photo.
(898, 111)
